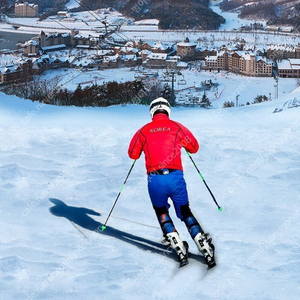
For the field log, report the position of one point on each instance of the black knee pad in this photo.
(160, 210)
(186, 211)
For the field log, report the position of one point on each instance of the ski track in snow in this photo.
(73, 161)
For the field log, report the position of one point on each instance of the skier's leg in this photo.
(158, 190)
(190, 221)
(181, 203)
(158, 193)
(179, 246)
(164, 219)
(205, 247)
(178, 193)
(172, 238)
(204, 244)
(158, 186)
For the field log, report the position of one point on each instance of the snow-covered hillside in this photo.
(72, 4)
(61, 169)
(279, 10)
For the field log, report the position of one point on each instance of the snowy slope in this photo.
(61, 169)
(72, 4)
(232, 19)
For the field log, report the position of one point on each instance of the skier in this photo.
(161, 141)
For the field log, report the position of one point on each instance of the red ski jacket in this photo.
(161, 140)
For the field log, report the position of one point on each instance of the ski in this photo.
(211, 264)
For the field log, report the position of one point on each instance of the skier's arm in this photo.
(136, 146)
(188, 141)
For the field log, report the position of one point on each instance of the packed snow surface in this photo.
(61, 169)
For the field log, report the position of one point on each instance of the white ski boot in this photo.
(181, 247)
(206, 247)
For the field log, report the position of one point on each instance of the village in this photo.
(81, 50)
(41, 53)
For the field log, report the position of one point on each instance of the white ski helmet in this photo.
(160, 105)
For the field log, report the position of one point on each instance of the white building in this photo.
(26, 10)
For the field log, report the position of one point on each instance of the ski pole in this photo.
(104, 226)
(219, 208)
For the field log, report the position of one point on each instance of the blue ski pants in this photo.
(163, 187)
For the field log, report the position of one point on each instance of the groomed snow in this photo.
(61, 169)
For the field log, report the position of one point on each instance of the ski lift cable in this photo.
(98, 18)
(88, 9)
(124, 37)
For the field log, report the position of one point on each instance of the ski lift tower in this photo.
(276, 87)
(172, 91)
(237, 100)
(172, 78)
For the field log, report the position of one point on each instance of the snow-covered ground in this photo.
(231, 85)
(214, 38)
(72, 4)
(88, 21)
(149, 22)
(9, 59)
(73, 77)
(61, 169)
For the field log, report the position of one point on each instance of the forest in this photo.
(106, 94)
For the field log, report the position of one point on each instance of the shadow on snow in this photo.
(80, 216)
